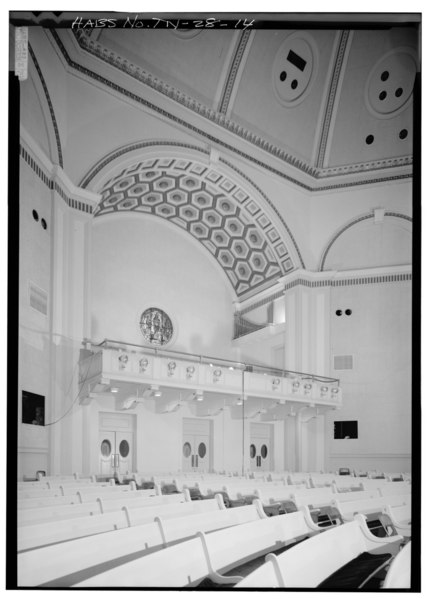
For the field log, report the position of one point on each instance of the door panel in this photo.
(116, 443)
(196, 445)
(260, 446)
(106, 451)
(124, 449)
(202, 453)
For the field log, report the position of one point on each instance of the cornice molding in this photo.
(330, 101)
(98, 51)
(50, 106)
(311, 279)
(54, 177)
(233, 71)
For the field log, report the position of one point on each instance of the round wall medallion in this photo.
(156, 326)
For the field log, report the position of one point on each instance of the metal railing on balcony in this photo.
(212, 361)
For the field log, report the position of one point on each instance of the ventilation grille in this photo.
(343, 362)
(38, 299)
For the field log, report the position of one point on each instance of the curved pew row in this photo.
(76, 560)
(344, 557)
(399, 573)
(82, 495)
(207, 556)
(65, 490)
(391, 511)
(57, 531)
(100, 505)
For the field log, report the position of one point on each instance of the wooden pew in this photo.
(301, 478)
(401, 517)
(311, 563)
(71, 564)
(84, 496)
(399, 573)
(108, 504)
(315, 497)
(99, 506)
(190, 562)
(38, 535)
(35, 502)
(387, 488)
(397, 508)
(142, 515)
(57, 512)
(395, 488)
(35, 493)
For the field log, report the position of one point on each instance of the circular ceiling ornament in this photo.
(389, 87)
(294, 69)
(156, 326)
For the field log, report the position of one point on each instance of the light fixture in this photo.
(198, 396)
(143, 364)
(153, 391)
(323, 390)
(114, 389)
(239, 402)
(275, 383)
(307, 388)
(295, 386)
(171, 368)
(190, 371)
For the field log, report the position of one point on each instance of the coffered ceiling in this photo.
(318, 104)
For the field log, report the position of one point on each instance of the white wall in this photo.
(377, 392)
(371, 244)
(138, 262)
(34, 340)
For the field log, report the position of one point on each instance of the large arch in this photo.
(209, 199)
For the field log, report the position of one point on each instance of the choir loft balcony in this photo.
(133, 374)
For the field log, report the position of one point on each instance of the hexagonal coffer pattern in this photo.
(216, 218)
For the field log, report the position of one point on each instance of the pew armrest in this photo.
(213, 575)
(378, 543)
(309, 520)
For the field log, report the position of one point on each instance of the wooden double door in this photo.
(116, 443)
(196, 448)
(261, 435)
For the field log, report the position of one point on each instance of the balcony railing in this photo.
(112, 362)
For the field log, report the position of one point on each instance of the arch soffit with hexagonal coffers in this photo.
(215, 203)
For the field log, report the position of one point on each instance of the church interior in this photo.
(215, 308)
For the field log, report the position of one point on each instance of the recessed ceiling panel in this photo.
(190, 63)
(374, 118)
(282, 87)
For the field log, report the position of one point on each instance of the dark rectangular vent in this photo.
(38, 299)
(346, 429)
(296, 60)
(343, 362)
